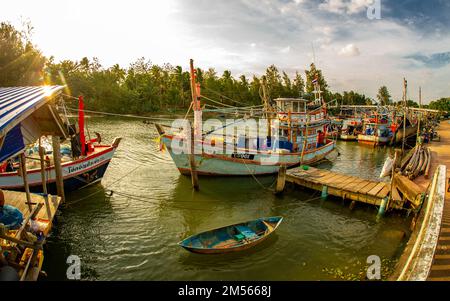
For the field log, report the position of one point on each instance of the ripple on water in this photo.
(133, 234)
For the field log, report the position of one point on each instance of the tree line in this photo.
(144, 87)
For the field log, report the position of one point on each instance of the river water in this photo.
(133, 233)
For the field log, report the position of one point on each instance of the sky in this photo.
(359, 44)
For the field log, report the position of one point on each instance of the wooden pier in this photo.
(18, 200)
(24, 249)
(427, 253)
(440, 269)
(341, 185)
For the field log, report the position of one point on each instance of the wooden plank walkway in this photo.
(341, 185)
(440, 269)
(19, 200)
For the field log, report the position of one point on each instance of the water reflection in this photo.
(133, 234)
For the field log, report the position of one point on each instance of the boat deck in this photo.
(340, 185)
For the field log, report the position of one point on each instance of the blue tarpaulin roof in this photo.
(16, 105)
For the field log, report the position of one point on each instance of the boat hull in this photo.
(410, 131)
(258, 163)
(345, 137)
(217, 241)
(76, 174)
(373, 140)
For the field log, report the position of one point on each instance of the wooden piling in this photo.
(196, 107)
(281, 179)
(23, 171)
(194, 175)
(58, 168)
(44, 180)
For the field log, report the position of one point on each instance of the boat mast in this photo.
(267, 107)
(405, 109)
(197, 129)
(419, 114)
(195, 91)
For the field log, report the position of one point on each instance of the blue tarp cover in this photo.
(13, 144)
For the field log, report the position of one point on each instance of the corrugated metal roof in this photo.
(17, 103)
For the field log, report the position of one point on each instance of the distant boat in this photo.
(350, 129)
(232, 238)
(376, 130)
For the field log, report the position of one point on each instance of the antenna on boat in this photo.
(314, 53)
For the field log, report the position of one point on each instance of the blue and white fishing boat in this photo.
(296, 135)
(84, 162)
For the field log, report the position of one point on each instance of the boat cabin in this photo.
(297, 125)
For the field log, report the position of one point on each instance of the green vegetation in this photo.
(442, 104)
(21, 63)
(383, 96)
(144, 87)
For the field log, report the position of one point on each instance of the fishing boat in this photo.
(335, 128)
(376, 130)
(296, 135)
(84, 162)
(410, 130)
(351, 127)
(232, 238)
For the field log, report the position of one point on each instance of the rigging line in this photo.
(224, 96)
(187, 113)
(69, 96)
(217, 102)
(239, 108)
(121, 115)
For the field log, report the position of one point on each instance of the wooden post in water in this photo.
(281, 179)
(194, 175)
(23, 171)
(44, 180)
(196, 107)
(58, 168)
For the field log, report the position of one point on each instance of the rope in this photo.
(102, 190)
(121, 115)
(217, 102)
(257, 181)
(224, 96)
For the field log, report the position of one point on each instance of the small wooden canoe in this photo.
(232, 238)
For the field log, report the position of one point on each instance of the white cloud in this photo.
(244, 36)
(349, 51)
(345, 6)
(286, 49)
